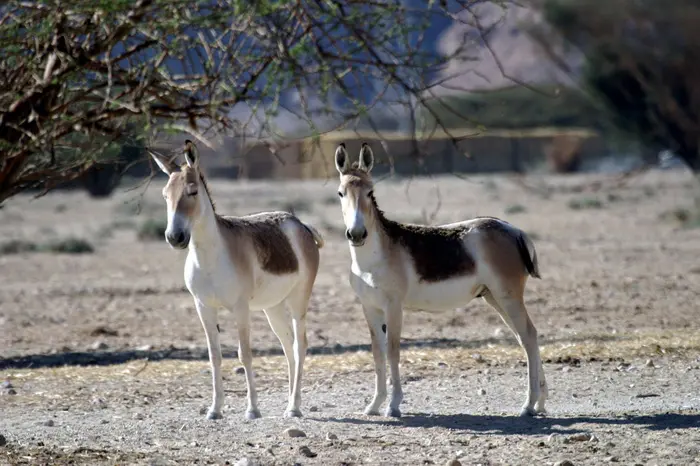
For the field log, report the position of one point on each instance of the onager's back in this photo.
(266, 261)
(396, 266)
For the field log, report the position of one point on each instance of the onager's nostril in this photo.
(364, 234)
(180, 237)
(347, 234)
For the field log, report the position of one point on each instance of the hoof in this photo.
(393, 412)
(527, 412)
(252, 414)
(292, 413)
(371, 411)
(214, 415)
(540, 409)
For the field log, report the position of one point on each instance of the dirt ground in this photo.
(103, 360)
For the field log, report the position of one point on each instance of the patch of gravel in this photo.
(595, 416)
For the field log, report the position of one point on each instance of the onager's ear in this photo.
(366, 158)
(164, 163)
(342, 161)
(191, 154)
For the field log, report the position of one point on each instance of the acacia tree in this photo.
(642, 64)
(77, 76)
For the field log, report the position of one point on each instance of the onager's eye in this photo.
(340, 194)
(370, 194)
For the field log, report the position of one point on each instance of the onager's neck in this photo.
(205, 229)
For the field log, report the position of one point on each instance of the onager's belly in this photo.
(269, 290)
(441, 296)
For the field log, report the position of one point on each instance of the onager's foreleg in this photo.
(377, 330)
(394, 318)
(208, 317)
(245, 355)
(515, 315)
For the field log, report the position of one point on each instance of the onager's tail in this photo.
(318, 239)
(528, 254)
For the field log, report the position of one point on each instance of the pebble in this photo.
(649, 363)
(240, 370)
(313, 409)
(48, 423)
(306, 451)
(564, 463)
(566, 369)
(582, 437)
(99, 345)
(104, 421)
(453, 462)
(331, 436)
(482, 391)
(442, 364)
(294, 432)
(3, 440)
(612, 459)
(138, 416)
(244, 462)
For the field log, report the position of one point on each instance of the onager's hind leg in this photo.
(298, 302)
(514, 314)
(207, 316)
(377, 331)
(245, 355)
(279, 322)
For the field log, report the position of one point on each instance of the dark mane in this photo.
(437, 252)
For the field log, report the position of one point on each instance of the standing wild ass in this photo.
(262, 261)
(396, 265)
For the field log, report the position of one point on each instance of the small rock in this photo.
(48, 423)
(649, 363)
(331, 436)
(313, 409)
(6, 385)
(244, 462)
(99, 345)
(566, 369)
(240, 370)
(582, 437)
(482, 391)
(306, 451)
(139, 416)
(453, 462)
(194, 444)
(442, 364)
(11, 391)
(612, 459)
(104, 421)
(3, 440)
(564, 463)
(294, 432)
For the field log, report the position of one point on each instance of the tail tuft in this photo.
(318, 239)
(528, 254)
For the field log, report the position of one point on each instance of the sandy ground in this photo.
(616, 313)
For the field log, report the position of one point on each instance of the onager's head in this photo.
(356, 193)
(184, 195)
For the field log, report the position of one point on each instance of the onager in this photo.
(397, 265)
(262, 261)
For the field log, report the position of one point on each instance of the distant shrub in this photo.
(585, 203)
(152, 230)
(68, 246)
(515, 209)
(17, 246)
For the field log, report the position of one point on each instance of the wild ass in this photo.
(262, 261)
(396, 266)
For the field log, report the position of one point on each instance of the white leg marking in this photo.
(377, 330)
(394, 323)
(245, 355)
(515, 315)
(208, 317)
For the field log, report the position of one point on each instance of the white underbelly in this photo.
(440, 296)
(269, 290)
